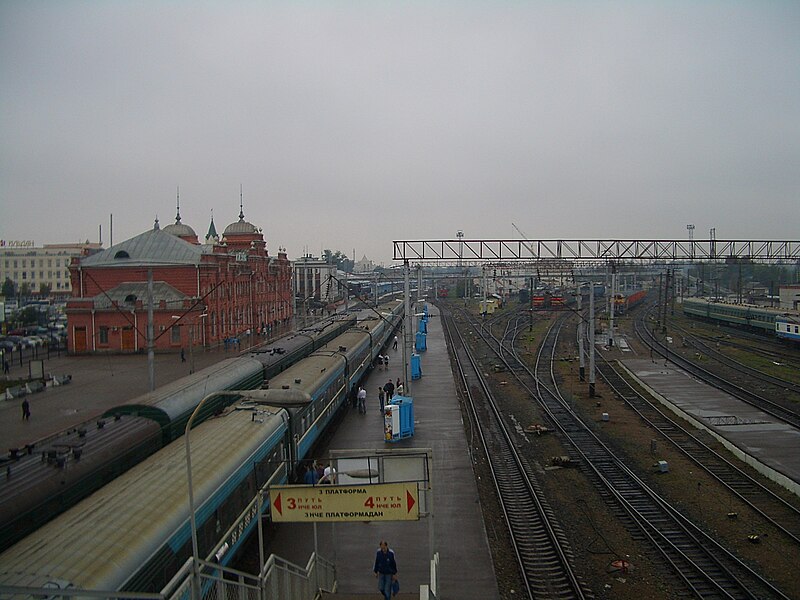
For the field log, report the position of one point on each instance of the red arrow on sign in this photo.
(277, 504)
(409, 500)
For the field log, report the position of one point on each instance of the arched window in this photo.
(122, 254)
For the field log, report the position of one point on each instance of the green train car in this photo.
(755, 317)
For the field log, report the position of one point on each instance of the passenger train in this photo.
(46, 478)
(134, 533)
(781, 324)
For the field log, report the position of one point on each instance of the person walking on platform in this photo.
(385, 569)
(381, 396)
(386, 362)
(394, 344)
(389, 389)
(362, 400)
(26, 410)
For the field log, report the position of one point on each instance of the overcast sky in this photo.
(352, 124)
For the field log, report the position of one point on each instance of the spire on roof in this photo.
(241, 204)
(156, 226)
(212, 230)
(178, 213)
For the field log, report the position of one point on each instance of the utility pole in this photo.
(530, 307)
(151, 359)
(407, 329)
(581, 329)
(591, 342)
(611, 307)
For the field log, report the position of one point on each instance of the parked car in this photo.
(32, 341)
(7, 345)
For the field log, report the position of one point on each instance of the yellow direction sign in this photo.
(377, 502)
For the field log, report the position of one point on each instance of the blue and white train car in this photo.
(787, 327)
(134, 534)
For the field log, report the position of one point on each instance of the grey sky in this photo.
(350, 124)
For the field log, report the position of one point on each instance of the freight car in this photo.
(625, 301)
(134, 534)
(46, 478)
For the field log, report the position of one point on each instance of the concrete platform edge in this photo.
(748, 459)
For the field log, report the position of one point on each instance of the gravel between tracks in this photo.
(596, 535)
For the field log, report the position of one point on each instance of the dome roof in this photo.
(179, 229)
(241, 226)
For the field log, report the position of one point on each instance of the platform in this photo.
(465, 562)
(758, 437)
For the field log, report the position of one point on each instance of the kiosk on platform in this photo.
(398, 419)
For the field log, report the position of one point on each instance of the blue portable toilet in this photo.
(421, 344)
(398, 419)
(423, 326)
(416, 366)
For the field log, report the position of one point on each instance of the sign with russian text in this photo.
(376, 502)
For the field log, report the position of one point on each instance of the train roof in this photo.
(176, 398)
(312, 373)
(106, 538)
(751, 307)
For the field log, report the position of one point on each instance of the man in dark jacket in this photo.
(389, 389)
(385, 569)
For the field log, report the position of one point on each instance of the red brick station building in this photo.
(203, 294)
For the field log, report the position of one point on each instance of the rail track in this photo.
(787, 414)
(706, 568)
(752, 373)
(541, 548)
(772, 507)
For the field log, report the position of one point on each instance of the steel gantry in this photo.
(461, 251)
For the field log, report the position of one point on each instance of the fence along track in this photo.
(540, 546)
(707, 569)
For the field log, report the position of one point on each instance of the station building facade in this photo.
(203, 294)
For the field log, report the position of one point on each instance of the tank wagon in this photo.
(46, 478)
(134, 534)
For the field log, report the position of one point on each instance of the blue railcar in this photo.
(134, 534)
(41, 489)
(787, 328)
